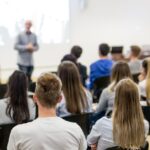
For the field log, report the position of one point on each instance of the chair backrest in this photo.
(32, 86)
(3, 89)
(4, 135)
(83, 120)
(144, 147)
(135, 77)
(146, 112)
(99, 85)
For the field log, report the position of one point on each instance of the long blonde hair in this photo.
(76, 100)
(146, 66)
(120, 71)
(128, 120)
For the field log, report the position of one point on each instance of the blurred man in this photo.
(134, 63)
(101, 67)
(77, 51)
(47, 132)
(26, 44)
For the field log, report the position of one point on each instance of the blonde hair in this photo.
(146, 65)
(48, 89)
(76, 100)
(128, 120)
(120, 71)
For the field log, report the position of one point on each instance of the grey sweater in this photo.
(106, 101)
(25, 57)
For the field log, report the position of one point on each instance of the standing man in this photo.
(26, 44)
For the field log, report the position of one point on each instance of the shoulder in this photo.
(95, 63)
(142, 83)
(104, 122)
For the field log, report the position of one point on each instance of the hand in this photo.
(30, 47)
(93, 146)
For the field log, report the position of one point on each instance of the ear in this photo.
(59, 99)
(35, 99)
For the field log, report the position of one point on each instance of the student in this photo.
(17, 107)
(144, 85)
(76, 99)
(47, 132)
(120, 71)
(101, 67)
(127, 127)
(135, 63)
(77, 51)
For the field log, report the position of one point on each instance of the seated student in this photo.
(48, 132)
(17, 107)
(127, 127)
(120, 71)
(76, 99)
(117, 53)
(135, 63)
(144, 85)
(102, 67)
(77, 51)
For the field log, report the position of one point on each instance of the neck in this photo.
(134, 58)
(46, 112)
(103, 57)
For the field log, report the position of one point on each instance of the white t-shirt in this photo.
(51, 133)
(142, 88)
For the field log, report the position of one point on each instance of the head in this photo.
(28, 25)
(146, 74)
(69, 57)
(17, 92)
(128, 120)
(48, 90)
(72, 87)
(76, 51)
(117, 53)
(120, 71)
(135, 51)
(104, 49)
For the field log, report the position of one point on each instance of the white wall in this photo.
(117, 22)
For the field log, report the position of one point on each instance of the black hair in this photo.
(104, 49)
(17, 108)
(76, 51)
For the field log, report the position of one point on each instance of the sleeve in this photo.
(36, 45)
(95, 134)
(90, 100)
(11, 143)
(102, 105)
(18, 45)
(91, 77)
(146, 124)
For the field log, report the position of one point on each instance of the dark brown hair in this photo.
(17, 108)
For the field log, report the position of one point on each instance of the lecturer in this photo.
(26, 44)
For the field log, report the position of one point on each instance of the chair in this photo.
(83, 120)
(146, 112)
(99, 85)
(144, 147)
(32, 86)
(3, 89)
(135, 77)
(4, 135)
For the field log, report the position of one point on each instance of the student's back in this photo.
(52, 133)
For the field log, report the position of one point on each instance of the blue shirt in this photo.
(100, 68)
